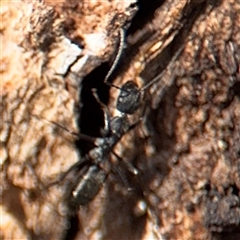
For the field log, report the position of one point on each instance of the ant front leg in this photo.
(107, 128)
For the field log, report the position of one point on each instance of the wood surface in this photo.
(186, 145)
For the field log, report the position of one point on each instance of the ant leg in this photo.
(125, 181)
(160, 75)
(74, 168)
(105, 110)
(121, 175)
(128, 165)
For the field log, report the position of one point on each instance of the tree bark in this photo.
(186, 145)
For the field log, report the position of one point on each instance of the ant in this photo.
(85, 178)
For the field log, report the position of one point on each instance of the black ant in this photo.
(87, 176)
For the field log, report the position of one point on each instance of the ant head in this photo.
(129, 98)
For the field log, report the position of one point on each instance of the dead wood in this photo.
(186, 147)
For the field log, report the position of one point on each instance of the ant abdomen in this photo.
(88, 186)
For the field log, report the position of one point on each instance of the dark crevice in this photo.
(91, 118)
(235, 190)
(159, 63)
(144, 15)
(74, 228)
(236, 89)
(233, 235)
(90, 121)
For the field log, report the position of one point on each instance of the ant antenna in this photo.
(116, 60)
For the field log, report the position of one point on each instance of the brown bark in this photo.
(186, 147)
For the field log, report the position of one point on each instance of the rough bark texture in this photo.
(186, 146)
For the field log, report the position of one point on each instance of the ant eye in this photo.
(129, 98)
